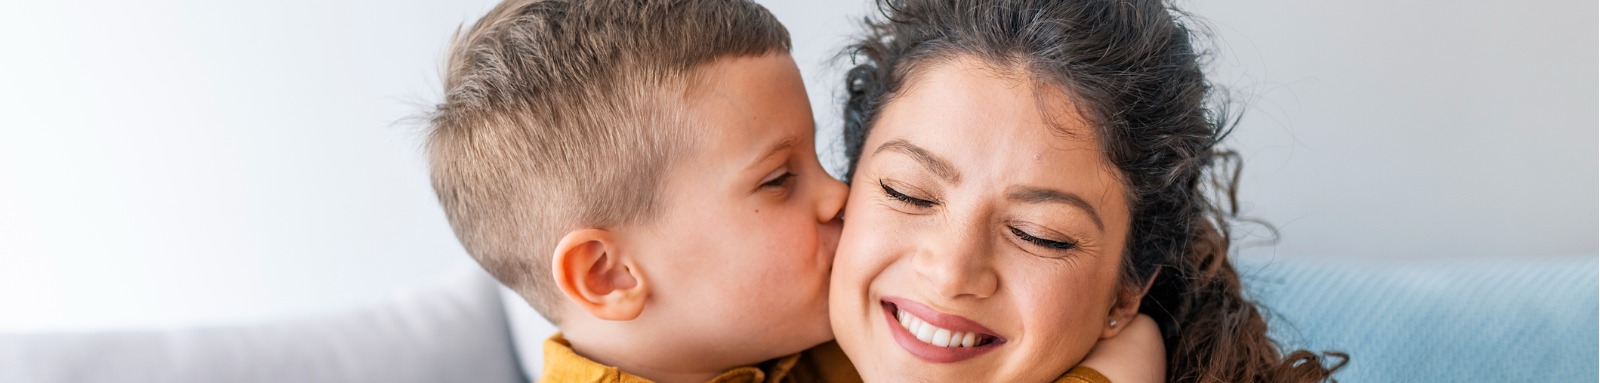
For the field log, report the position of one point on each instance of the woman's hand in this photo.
(1136, 355)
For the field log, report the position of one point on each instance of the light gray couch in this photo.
(1530, 321)
(451, 330)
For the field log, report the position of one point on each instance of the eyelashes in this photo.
(920, 203)
(1041, 242)
(906, 199)
(909, 200)
(778, 181)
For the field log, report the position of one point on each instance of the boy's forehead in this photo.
(750, 107)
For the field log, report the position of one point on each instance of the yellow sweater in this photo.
(823, 363)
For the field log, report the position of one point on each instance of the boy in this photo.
(642, 173)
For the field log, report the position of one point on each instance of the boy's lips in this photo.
(934, 336)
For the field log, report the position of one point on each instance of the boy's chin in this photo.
(802, 338)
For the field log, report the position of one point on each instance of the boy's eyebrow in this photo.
(776, 149)
(1027, 194)
(935, 164)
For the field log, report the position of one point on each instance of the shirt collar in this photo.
(562, 364)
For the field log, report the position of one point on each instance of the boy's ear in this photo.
(591, 269)
(1126, 307)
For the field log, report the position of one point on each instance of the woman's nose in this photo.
(956, 264)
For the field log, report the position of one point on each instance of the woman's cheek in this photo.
(852, 257)
(862, 249)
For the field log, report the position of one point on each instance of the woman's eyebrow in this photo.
(935, 164)
(1042, 195)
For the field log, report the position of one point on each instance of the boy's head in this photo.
(643, 174)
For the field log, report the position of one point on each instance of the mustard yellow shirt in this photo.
(1081, 374)
(823, 363)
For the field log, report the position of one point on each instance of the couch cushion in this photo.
(1526, 320)
(452, 331)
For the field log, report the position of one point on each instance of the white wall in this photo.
(169, 162)
(1400, 129)
(173, 162)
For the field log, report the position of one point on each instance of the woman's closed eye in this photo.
(903, 198)
(1041, 242)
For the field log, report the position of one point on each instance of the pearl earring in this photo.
(1113, 323)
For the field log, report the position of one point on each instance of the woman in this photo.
(1026, 179)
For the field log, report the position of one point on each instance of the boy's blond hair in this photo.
(564, 114)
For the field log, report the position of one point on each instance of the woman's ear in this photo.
(1126, 307)
(592, 270)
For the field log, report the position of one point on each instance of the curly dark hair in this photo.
(1135, 75)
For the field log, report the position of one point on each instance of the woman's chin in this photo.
(910, 369)
(916, 371)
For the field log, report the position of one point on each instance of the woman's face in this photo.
(982, 236)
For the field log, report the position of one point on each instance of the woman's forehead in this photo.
(987, 121)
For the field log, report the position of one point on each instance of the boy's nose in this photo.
(831, 201)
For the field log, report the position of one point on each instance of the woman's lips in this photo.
(934, 336)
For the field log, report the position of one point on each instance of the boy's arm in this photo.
(1136, 355)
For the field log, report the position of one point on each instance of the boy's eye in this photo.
(777, 181)
(909, 200)
(1041, 242)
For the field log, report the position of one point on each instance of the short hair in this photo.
(562, 114)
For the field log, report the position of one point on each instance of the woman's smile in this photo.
(934, 336)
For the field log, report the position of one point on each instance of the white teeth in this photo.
(930, 334)
(925, 332)
(941, 338)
